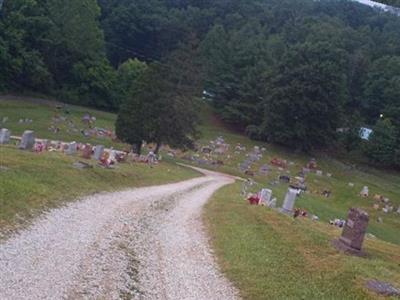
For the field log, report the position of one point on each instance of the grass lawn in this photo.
(42, 113)
(268, 255)
(31, 182)
(343, 196)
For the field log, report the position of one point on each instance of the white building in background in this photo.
(365, 133)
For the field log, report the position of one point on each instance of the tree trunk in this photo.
(137, 148)
(158, 146)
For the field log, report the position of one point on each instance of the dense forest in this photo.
(290, 72)
(395, 3)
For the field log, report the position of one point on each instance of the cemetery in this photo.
(292, 212)
(313, 235)
(40, 169)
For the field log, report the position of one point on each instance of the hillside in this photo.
(342, 197)
(32, 183)
(268, 255)
(264, 253)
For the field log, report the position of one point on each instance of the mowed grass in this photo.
(42, 113)
(268, 255)
(386, 183)
(31, 183)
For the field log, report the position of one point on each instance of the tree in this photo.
(95, 83)
(383, 146)
(132, 117)
(163, 108)
(382, 88)
(303, 106)
(395, 3)
(127, 76)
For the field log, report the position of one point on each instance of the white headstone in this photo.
(98, 152)
(5, 136)
(265, 196)
(27, 140)
(272, 203)
(290, 200)
(364, 192)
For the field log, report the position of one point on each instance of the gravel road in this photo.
(145, 243)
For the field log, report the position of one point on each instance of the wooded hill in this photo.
(286, 71)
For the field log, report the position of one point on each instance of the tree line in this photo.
(290, 72)
(395, 3)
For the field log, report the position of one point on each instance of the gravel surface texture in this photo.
(145, 243)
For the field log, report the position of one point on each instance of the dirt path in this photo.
(146, 243)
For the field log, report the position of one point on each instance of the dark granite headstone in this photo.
(353, 232)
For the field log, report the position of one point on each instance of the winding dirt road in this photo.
(145, 243)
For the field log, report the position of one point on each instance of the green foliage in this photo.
(127, 76)
(95, 82)
(302, 109)
(382, 88)
(162, 108)
(46, 45)
(383, 146)
(395, 3)
(290, 71)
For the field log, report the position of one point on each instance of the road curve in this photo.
(145, 243)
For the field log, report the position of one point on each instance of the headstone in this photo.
(82, 165)
(353, 232)
(284, 178)
(4, 136)
(264, 169)
(364, 192)
(383, 288)
(265, 196)
(27, 140)
(87, 151)
(289, 202)
(98, 152)
(319, 173)
(272, 203)
(244, 166)
(72, 148)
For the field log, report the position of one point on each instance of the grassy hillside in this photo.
(42, 112)
(272, 256)
(268, 255)
(32, 182)
(343, 196)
